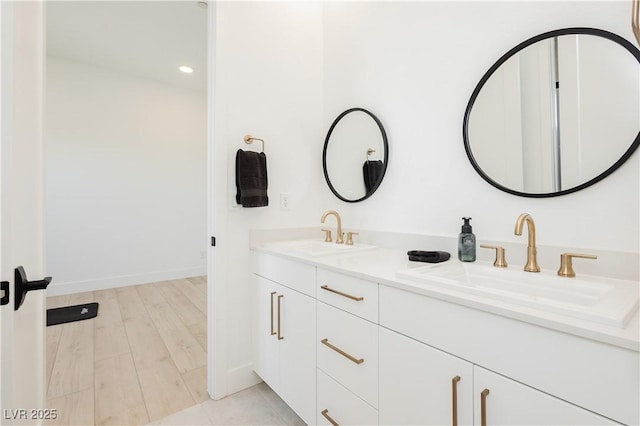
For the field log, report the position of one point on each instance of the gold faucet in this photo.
(532, 251)
(339, 239)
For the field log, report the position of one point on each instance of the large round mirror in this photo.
(355, 155)
(555, 114)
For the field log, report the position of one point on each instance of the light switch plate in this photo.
(285, 201)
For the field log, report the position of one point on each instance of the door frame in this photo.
(217, 330)
(5, 373)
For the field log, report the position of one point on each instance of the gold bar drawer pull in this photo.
(280, 336)
(357, 299)
(483, 407)
(325, 414)
(273, 332)
(454, 400)
(341, 352)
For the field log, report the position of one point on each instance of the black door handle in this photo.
(4, 286)
(23, 286)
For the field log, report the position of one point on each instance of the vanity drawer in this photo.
(342, 406)
(296, 275)
(355, 295)
(347, 350)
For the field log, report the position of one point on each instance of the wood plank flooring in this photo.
(141, 359)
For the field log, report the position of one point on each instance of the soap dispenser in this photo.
(466, 243)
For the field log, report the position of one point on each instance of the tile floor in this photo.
(258, 405)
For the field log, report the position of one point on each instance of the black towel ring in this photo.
(248, 139)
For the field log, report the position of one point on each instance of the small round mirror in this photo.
(556, 114)
(355, 155)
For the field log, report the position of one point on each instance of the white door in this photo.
(22, 338)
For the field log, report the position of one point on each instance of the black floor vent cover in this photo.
(71, 313)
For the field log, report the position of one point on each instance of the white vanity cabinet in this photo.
(344, 350)
(285, 338)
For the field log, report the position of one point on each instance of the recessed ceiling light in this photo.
(186, 69)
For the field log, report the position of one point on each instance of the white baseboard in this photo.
(241, 377)
(56, 289)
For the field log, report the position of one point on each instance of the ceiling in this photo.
(150, 39)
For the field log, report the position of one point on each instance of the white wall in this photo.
(415, 65)
(125, 192)
(285, 70)
(268, 82)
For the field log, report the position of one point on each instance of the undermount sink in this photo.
(318, 247)
(601, 300)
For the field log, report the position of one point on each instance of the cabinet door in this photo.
(417, 385)
(511, 403)
(297, 340)
(266, 350)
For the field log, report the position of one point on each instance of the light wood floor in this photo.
(141, 359)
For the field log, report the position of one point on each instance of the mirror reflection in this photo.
(355, 155)
(556, 114)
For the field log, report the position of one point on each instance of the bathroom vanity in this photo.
(347, 336)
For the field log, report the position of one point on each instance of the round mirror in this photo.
(555, 114)
(355, 155)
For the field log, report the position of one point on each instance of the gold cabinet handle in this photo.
(566, 265)
(325, 414)
(273, 332)
(454, 400)
(356, 298)
(483, 407)
(341, 352)
(280, 336)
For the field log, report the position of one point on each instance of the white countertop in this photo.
(381, 265)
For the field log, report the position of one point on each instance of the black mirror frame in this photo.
(565, 31)
(326, 144)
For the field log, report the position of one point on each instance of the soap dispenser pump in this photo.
(466, 243)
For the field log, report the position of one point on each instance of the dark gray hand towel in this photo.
(251, 179)
(372, 172)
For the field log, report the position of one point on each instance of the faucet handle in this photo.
(566, 265)
(350, 235)
(500, 261)
(327, 235)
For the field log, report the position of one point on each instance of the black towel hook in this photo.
(249, 139)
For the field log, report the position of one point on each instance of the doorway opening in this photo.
(125, 152)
